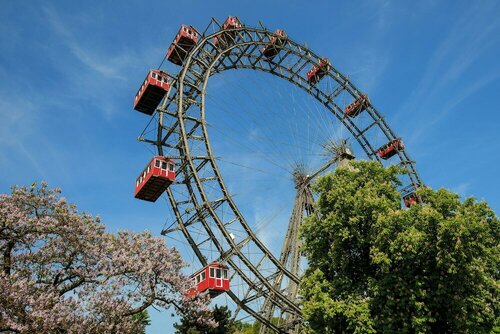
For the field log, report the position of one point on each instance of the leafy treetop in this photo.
(377, 268)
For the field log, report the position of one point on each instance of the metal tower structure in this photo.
(205, 212)
(291, 250)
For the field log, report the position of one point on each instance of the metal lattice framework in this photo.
(205, 211)
(290, 255)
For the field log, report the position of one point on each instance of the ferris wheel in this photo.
(263, 284)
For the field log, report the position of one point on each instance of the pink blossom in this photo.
(61, 272)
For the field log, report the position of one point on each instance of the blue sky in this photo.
(69, 72)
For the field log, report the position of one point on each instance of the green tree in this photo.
(377, 268)
(251, 328)
(221, 315)
(246, 328)
(143, 319)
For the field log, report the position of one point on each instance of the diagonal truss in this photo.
(290, 257)
(291, 252)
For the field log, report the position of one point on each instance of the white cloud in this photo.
(18, 126)
(447, 80)
(95, 71)
(462, 189)
(108, 67)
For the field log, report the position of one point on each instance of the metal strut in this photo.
(290, 253)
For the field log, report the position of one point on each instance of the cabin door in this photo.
(218, 278)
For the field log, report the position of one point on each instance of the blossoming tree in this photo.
(61, 272)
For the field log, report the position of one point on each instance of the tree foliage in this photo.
(247, 328)
(61, 272)
(377, 268)
(143, 320)
(221, 315)
(225, 324)
(251, 328)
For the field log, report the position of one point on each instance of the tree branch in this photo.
(7, 259)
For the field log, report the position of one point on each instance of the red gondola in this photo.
(410, 199)
(183, 43)
(318, 71)
(155, 179)
(226, 39)
(390, 149)
(152, 91)
(357, 106)
(214, 278)
(275, 44)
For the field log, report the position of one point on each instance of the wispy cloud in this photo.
(108, 66)
(76, 80)
(374, 62)
(96, 69)
(370, 56)
(462, 189)
(383, 13)
(446, 80)
(16, 128)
